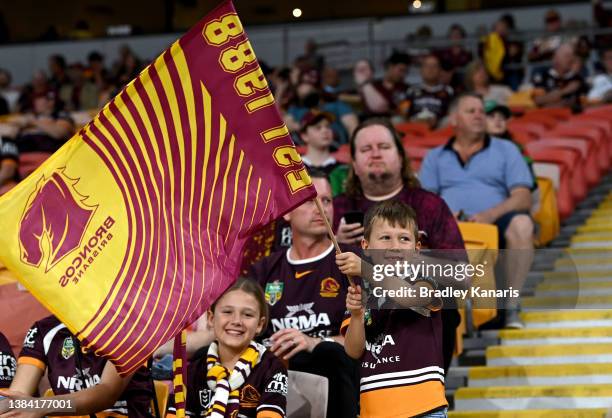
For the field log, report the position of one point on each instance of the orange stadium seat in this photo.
(416, 156)
(343, 155)
(600, 110)
(425, 142)
(412, 128)
(522, 137)
(559, 113)
(595, 120)
(577, 167)
(588, 151)
(540, 118)
(30, 161)
(447, 131)
(592, 133)
(547, 215)
(565, 160)
(301, 149)
(533, 128)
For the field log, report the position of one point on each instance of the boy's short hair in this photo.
(395, 213)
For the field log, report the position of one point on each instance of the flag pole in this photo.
(330, 231)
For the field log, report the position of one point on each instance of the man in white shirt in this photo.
(601, 91)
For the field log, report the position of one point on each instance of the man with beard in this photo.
(379, 171)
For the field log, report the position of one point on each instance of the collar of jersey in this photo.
(309, 260)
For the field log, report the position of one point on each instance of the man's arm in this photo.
(373, 99)
(519, 200)
(556, 95)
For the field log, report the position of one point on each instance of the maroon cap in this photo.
(313, 117)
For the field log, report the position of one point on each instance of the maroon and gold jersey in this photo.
(402, 367)
(263, 392)
(433, 100)
(308, 295)
(7, 362)
(50, 346)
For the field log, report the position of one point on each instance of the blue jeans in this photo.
(442, 413)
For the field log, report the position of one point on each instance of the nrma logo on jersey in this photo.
(302, 317)
(54, 226)
(78, 381)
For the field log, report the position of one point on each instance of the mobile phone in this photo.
(353, 217)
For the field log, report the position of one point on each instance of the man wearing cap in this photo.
(487, 179)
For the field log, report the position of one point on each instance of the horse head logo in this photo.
(54, 221)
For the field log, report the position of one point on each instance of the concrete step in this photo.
(505, 355)
(546, 336)
(566, 302)
(567, 319)
(533, 397)
(532, 413)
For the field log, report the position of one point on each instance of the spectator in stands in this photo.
(96, 71)
(456, 55)
(306, 292)
(560, 85)
(309, 98)
(7, 92)
(495, 49)
(385, 97)
(80, 93)
(400, 350)
(318, 136)
(311, 57)
(497, 126)
(46, 128)
(38, 87)
(379, 171)
(330, 83)
(601, 90)
(488, 180)
(477, 81)
(9, 163)
(8, 364)
(603, 17)
(58, 72)
(235, 374)
(127, 67)
(90, 382)
(428, 101)
(545, 46)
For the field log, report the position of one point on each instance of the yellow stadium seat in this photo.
(547, 215)
(480, 239)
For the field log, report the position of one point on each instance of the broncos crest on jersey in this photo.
(308, 295)
(50, 346)
(8, 363)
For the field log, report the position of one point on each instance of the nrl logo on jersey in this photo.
(68, 348)
(274, 292)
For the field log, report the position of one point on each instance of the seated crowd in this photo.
(302, 306)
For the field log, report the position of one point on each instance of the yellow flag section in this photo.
(134, 227)
(63, 225)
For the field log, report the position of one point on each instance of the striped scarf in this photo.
(225, 384)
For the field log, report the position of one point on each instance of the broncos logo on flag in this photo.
(54, 221)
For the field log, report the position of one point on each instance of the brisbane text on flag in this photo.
(137, 224)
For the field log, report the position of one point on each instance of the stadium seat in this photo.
(595, 120)
(547, 215)
(307, 395)
(301, 149)
(425, 142)
(589, 154)
(30, 161)
(412, 129)
(592, 133)
(559, 113)
(416, 156)
(161, 395)
(480, 240)
(343, 155)
(541, 118)
(533, 128)
(522, 137)
(578, 181)
(447, 131)
(565, 161)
